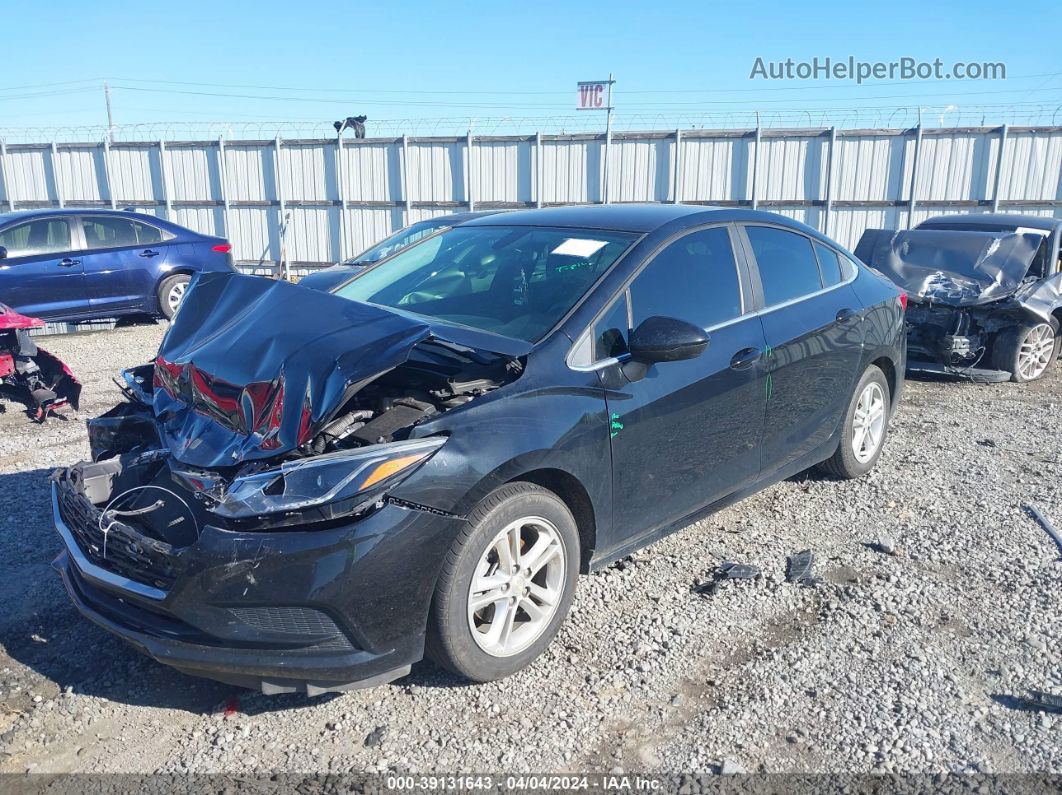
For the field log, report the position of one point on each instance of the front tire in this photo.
(506, 584)
(1025, 352)
(171, 293)
(865, 425)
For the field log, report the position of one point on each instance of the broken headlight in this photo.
(360, 475)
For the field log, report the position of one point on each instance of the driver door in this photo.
(689, 432)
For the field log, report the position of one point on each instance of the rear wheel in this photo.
(506, 584)
(171, 293)
(1025, 352)
(865, 424)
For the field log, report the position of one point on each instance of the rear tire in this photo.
(491, 615)
(1026, 352)
(171, 293)
(865, 426)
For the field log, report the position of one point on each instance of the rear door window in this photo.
(787, 264)
(33, 238)
(109, 232)
(694, 279)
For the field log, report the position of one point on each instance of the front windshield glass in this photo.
(396, 242)
(517, 281)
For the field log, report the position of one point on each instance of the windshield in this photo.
(516, 281)
(396, 242)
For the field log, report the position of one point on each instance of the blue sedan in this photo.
(80, 264)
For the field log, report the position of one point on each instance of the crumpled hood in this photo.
(252, 368)
(950, 267)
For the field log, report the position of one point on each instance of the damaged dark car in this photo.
(985, 293)
(310, 491)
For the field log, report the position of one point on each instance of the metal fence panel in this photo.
(572, 171)
(134, 173)
(863, 179)
(502, 171)
(792, 168)
(955, 167)
(31, 178)
(437, 172)
(873, 168)
(373, 172)
(80, 173)
(193, 173)
(714, 169)
(251, 173)
(1033, 167)
(640, 171)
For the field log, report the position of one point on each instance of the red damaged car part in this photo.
(29, 374)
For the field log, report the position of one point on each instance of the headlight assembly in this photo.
(361, 475)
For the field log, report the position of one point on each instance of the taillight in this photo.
(222, 248)
(903, 301)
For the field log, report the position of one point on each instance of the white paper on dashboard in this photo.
(578, 247)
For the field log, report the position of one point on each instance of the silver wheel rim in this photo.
(516, 586)
(176, 295)
(1034, 353)
(868, 424)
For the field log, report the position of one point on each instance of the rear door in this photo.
(42, 276)
(812, 322)
(122, 260)
(688, 433)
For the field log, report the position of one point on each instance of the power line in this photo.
(47, 85)
(496, 106)
(508, 92)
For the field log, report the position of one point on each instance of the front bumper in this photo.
(295, 611)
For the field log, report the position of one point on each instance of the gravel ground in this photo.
(939, 599)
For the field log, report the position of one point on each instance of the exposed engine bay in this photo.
(30, 374)
(354, 423)
(958, 338)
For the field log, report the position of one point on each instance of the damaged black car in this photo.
(985, 293)
(310, 491)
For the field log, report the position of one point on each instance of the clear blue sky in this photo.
(398, 60)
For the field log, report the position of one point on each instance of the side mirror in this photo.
(3, 252)
(665, 339)
(662, 339)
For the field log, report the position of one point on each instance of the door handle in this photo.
(845, 315)
(149, 253)
(66, 262)
(745, 358)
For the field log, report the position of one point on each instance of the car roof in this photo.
(639, 218)
(45, 212)
(1000, 219)
(617, 217)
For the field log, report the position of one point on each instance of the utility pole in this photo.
(110, 118)
(608, 138)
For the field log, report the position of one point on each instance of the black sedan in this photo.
(314, 496)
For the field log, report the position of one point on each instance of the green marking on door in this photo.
(615, 425)
(768, 352)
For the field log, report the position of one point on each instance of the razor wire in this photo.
(900, 117)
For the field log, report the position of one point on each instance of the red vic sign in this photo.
(592, 95)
